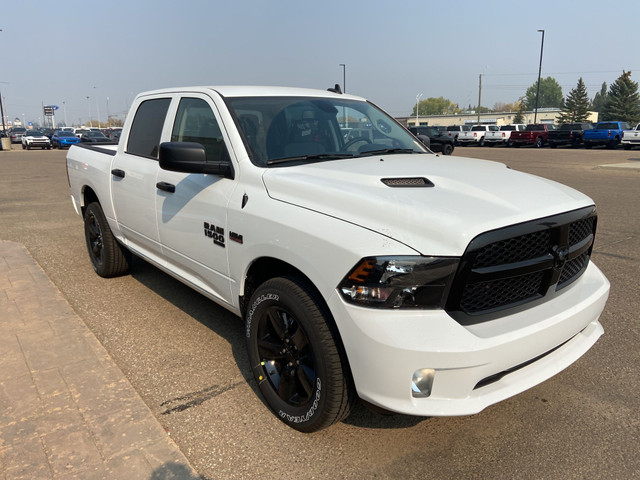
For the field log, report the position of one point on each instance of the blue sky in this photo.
(392, 50)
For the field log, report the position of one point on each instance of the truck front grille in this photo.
(505, 269)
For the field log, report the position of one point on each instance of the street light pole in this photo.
(344, 78)
(417, 108)
(535, 115)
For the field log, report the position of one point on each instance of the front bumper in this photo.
(385, 348)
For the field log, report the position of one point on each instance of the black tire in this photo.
(481, 142)
(108, 257)
(627, 146)
(553, 145)
(539, 143)
(291, 336)
(587, 145)
(447, 149)
(509, 144)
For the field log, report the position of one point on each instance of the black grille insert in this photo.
(506, 268)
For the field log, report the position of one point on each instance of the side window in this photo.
(146, 128)
(195, 122)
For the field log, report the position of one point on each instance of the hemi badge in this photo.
(235, 237)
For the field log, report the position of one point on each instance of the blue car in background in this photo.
(63, 139)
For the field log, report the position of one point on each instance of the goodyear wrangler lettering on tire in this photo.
(253, 308)
(299, 368)
(309, 414)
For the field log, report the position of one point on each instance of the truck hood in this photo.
(468, 197)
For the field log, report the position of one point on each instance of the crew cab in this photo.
(365, 267)
(631, 138)
(568, 134)
(533, 134)
(35, 139)
(502, 136)
(454, 130)
(605, 133)
(476, 135)
(434, 138)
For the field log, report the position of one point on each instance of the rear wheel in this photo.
(539, 142)
(447, 149)
(296, 357)
(108, 257)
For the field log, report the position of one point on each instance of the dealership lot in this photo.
(185, 356)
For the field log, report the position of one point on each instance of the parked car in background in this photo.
(569, 134)
(35, 139)
(433, 138)
(605, 133)
(94, 137)
(631, 138)
(476, 135)
(535, 134)
(15, 134)
(63, 139)
(454, 130)
(503, 135)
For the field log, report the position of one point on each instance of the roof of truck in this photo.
(255, 91)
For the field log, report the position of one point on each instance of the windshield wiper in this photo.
(387, 150)
(320, 156)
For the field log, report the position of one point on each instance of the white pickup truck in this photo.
(476, 135)
(502, 135)
(365, 267)
(631, 138)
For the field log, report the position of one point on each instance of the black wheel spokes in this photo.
(95, 239)
(287, 357)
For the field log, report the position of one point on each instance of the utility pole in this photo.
(535, 114)
(479, 95)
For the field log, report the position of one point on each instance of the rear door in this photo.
(133, 177)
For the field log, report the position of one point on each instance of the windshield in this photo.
(35, 133)
(279, 129)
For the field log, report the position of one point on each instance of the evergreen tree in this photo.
(600, 98)
(623, 100)
(576, 105)
(519, 118)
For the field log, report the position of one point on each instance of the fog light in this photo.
(422, 382)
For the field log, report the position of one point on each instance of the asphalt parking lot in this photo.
(185, 356)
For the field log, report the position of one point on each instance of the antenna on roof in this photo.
(335, 89)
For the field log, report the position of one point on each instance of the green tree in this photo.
(576, 105)
(550, 94)
(623, 100)
(519, 118)
(435, 106)
(597, 104)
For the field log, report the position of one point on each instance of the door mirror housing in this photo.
(190, 157)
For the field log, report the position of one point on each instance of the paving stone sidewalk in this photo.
(66, 409)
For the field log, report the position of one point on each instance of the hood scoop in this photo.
(407, 182)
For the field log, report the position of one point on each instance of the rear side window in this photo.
(146, 128)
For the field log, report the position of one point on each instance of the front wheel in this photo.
(539, 142)
(108, 257)
(447, 149)
(296, 357)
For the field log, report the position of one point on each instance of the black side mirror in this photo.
(189, 157)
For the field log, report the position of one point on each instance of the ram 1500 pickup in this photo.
(568, 134)
(476, 135)
(363, 268)
(605, 133)
(533, 134)
(503, 135)
(631, 138)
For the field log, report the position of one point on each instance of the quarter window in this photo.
(146, 128)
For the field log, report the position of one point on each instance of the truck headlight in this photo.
(400, 282)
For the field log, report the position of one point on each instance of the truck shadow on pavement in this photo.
(231, 328)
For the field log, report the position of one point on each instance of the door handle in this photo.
(167, 187)
(116, 172)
